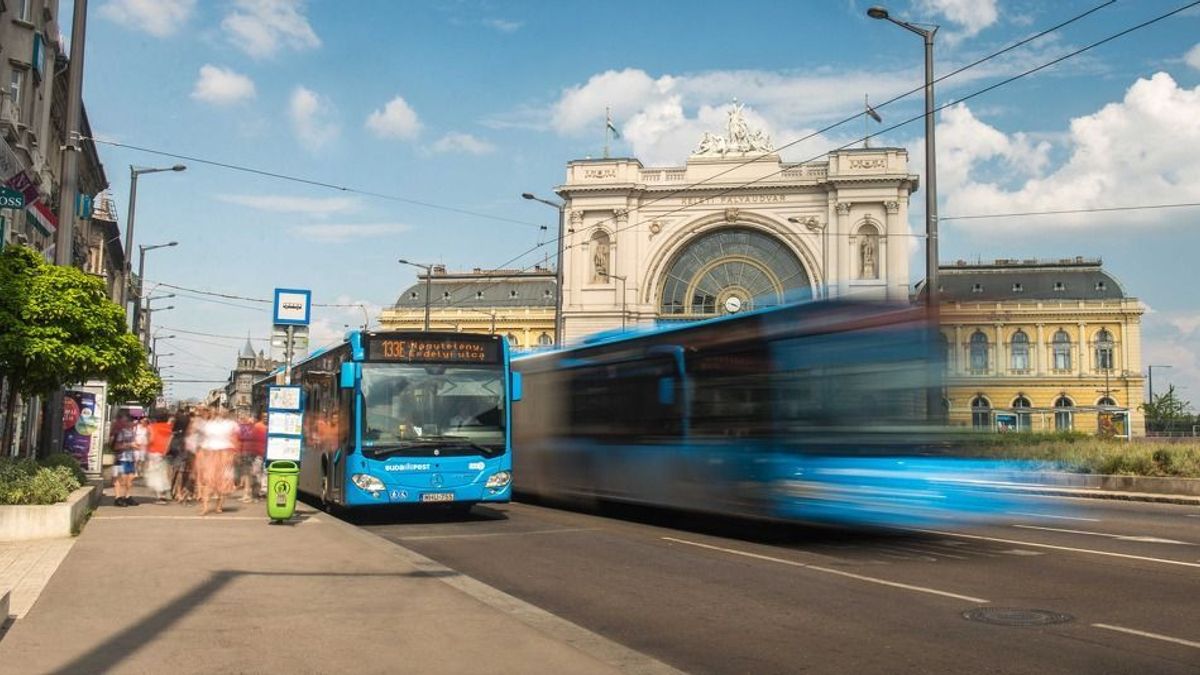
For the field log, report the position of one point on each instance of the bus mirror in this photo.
(516, 386)
(348, 375)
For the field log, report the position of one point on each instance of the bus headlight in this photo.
(367, 482)
(499, 479)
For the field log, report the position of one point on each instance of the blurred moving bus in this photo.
(801, 412)
(406, 417)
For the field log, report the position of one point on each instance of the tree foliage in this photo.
(58, 327)
(1167, 412)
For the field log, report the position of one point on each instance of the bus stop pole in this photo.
(289, 351)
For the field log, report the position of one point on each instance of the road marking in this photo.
(1056, 517)
(1021, 551)
(1018, 542)
(1155, 636)
(1122, 537)
(840, 573)
(474, 535)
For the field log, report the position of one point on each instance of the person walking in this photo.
(183, 455)
(122, 441)
(254, 446)
(157, 467)
(141, 441)
(215, 460)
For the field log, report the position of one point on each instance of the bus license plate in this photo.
(437, 497)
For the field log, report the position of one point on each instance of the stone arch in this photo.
(806, 251)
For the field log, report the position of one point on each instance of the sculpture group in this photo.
(738, 139)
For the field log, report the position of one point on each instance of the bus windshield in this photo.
(407, 403)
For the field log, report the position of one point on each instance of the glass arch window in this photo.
(981, 413)
(544, 339)
(1104, 350)
(1021, 406)
(1020, 351)
(1060, 345)
(1062, 416)
(979, 352)
(731, 270)
(1105, 400)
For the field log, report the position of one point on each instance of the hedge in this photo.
(24, 481)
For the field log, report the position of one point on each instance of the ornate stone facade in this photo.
(733, 229)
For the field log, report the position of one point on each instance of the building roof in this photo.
(248, 350)
(481, 288)
(1005, 279)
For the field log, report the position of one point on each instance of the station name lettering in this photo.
(735, 199)
(595, 174)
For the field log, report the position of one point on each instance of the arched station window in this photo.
(1062, 414)
(979, 352)
(1060, 346)
(1020, 352)
(981, 413)
(1104, 350)
(1024, 418)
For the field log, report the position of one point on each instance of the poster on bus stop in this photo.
(81, 426)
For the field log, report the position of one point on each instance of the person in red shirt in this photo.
(157, 443)
(254, 447)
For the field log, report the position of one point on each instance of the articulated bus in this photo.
(406, 417)
(811, 412)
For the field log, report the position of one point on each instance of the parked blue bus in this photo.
(810, 412)
(407, 418)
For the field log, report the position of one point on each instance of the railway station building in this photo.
(733, 229)
(1042, 345)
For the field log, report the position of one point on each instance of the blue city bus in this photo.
(806, 412)
(407, 418)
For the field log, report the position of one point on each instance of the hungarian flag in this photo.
(611, 127)
(872, 114)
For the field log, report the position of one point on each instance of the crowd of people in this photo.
(200, 455)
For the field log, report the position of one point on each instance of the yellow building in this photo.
(516, 304)
(1041, 346)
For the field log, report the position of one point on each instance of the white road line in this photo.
(474, 535)
(1127, 556)
(1122, 537)
(840, 573)
(1049, 515)
(1154, 636)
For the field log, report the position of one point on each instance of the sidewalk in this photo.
(151, 589)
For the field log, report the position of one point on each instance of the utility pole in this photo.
(64, 240)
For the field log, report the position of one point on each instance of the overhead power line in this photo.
(1104, 209)
(214, 335)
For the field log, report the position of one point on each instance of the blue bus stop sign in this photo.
(293, 307)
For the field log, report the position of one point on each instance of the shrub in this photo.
(22, 481)
(67, 460)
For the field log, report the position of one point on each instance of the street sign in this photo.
(293, 307)
(11, 199)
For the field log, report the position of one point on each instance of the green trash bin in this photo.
(282, 476)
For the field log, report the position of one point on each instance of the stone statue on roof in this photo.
(739, 138)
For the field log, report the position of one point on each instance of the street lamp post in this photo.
(933, 309)
(1150, 378)
(154, 346)
(428, 280)
(134, 172)
(156, 355)
(558, 271)
(149, 312)
(622, 280)
(141, 278)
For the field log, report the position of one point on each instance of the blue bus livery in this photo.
(406, 417)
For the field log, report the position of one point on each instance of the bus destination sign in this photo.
(433, 350)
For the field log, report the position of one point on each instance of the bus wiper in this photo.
(466, 442)
(384, 449)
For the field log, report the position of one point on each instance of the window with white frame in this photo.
(1060, 347)
(1104, 350)
(1020, 352)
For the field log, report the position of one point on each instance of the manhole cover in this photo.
(1006, 616)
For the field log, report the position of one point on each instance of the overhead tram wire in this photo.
(978, 92)
(215, 335)
(1098, 209)
(312, 182)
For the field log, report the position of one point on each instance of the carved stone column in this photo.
(842, 246)
(1039, 350)
(895, 249)
(578, 255)
(1082, 345)
(957, 349)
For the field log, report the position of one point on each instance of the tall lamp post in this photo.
(149, 312)
(141, 283)
(134, 172)
(558, 268)
(154, 346)
(1150, 378)
(622, 280)
(933, 308)
(428, 280)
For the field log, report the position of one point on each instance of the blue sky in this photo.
(466, 104)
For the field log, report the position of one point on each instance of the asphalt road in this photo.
(1093, 586)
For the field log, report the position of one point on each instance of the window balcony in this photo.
(10, 118)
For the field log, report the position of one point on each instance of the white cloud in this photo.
(460, 142)
(312, 119)
(313, 206)
(1139, 150)
(221, 86)
(396, 119)
(159, 18)
(504, 25)
(1193, 57)
(971, 15)
(343, 232)
(261, 28)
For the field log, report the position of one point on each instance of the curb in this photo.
(1091, 493)
(592, 644)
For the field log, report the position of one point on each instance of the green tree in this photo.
(58, 328)
(1166, 412)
